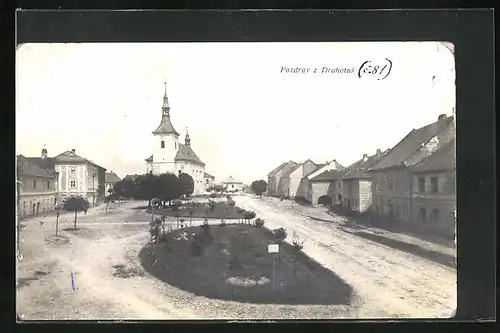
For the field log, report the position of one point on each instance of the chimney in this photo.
(73, 151)
(44, 153)
(379, 152)
(365, 157)
(441, 117)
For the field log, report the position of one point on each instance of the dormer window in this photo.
(162, 144)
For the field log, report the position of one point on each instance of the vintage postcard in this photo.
(238, 181)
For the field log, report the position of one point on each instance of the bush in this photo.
(213, 195)
(222, 222)
(240, 210)
(259, 223)
(231, 202)
(279, 234)
(296, 242)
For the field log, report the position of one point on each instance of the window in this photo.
(72, 183)
(34, 183)
(175, 145)
(48, 184)
(162, 144)
(389, 183)
(232, 186)
(434, 185)
(434, 216)
(421, 185)
(207, 180)
(422, 214)
(72, 171)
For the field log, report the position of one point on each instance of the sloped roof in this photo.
(149, 159)
(165, 127)
(207, 175)
(358, 169)
(319, 167)
(185, 153)
(231, 180)
(70, 157)
(275, 171)
(298, 166)
(47, 163)
(412, 143)
(28, 168)
(329, 175)
(111, 177)
(442, 159)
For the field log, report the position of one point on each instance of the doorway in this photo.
(33, 212)
(349, 204)
(37, 208)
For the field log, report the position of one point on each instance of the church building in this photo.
(171, 156)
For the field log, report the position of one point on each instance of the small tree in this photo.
(76, 203)
(279, 235)
(258, 187)
(248, 216)
(186, 184)
(259, 223)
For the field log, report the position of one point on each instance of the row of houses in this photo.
(43, 182)
(413, 182)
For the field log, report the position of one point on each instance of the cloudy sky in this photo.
(245, 116)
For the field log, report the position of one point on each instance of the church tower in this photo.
(165, 141)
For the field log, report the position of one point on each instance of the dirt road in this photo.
(388, 282)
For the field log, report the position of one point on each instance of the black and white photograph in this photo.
(236, 181)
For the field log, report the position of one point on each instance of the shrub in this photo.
(296, 242)
(248, 215)
(239, 210)
(279, 234)
(259, 223)
(231, 202)
(212, 204)
(213, 195)
(182, 222)
(223, 222)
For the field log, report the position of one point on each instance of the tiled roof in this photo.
(165, 127)
(207, 175)
(358, 169)
(298, 166)
(70, 157)
(231, 180)
(411, 144)
(28, 168)
(288, 168)
(329, 175)
(149, 159)
(442, 159)
(185, 153)
(319, 167)
(111, 178)
(272, 173)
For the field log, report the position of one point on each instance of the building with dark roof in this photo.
(273, 178)
(294, 184)
(171, 156)
(392, 177)
(356, 191)
(434, 200)
(230, 184)
(110, 179)
(36, 186)
(324, 184)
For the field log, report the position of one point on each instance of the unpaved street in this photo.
(388, 282)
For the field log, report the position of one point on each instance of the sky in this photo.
(245, 115)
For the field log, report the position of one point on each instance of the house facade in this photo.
(36, 186)
(356, 189)
(208, 180)
(274, 188)
(326, 186)
(434, 194)
(296, 176)
(232, 185)
(392, 178)
(306, 183)
(79, 176)
(111, 179)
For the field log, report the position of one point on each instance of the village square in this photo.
(154, 206)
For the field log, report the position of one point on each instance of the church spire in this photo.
(187, 140)
(165, 109)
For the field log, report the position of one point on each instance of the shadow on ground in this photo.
(441, 258)
(394, 227)
(233, 263)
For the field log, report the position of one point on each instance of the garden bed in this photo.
(232, 263)
(199, 210)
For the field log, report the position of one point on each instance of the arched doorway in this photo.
(37, 208)
(349, 204)
(33, 212)
(339, 197)
(325, 200)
